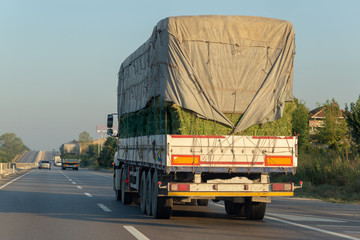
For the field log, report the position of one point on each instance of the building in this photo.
(317, 117)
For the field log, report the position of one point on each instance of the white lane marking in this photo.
(304, 226)
(73, 182)
(103, 207)
(101, 175)
(79, 187)
(138, 235)
(299, 218)
(338, 226)
(15, 179)
(70, 180)
(351, 232)
(313, 228)
(88, 194)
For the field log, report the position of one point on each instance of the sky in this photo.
(59, 59)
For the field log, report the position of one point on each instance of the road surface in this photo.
(80, 204)
(28, 157)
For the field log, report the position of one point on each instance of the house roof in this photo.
(319, 113)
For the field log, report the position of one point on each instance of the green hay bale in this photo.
(160, 117)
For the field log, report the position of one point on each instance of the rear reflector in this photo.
(278, 161)
(281, 187)
(179, 187)
(185, 159)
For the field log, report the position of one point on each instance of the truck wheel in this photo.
(234, 209)
(161, 206)
(117, 192)
(255, 210)
(125, 196)
(143, 192)
(203, 202)
(118, 195)
(148, 193)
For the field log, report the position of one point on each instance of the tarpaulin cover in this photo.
(213, 65)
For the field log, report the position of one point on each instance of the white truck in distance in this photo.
(57, 161)
(208, 66)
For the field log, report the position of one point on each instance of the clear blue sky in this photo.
(59, 58)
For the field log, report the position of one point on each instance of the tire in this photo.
(202, 202)
(255, 210)
(148, 190)
(125, 196)
(118, 195)
(161, 206)
(234, 209)
(143, 192)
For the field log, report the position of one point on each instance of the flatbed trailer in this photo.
(186, 98)
(161, 170)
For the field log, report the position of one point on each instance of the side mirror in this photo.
(110, 120)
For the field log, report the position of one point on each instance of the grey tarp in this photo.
(213, 65)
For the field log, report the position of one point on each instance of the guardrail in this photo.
(9, 168)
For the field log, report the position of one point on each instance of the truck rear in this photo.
(203, 112)
(69, 154)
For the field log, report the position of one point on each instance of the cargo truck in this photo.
(70, 154)
(57, 161)
(188, 99)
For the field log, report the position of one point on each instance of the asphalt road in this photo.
(56, 204)
(28, 157)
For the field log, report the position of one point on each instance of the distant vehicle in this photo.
(69, 153)
(57, 161)
(44, 164)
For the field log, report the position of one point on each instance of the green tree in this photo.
(300, 124)
(90, 157)
(85, 137)
(333, 133)
(107, 154)
(353, 120)
(10, 146)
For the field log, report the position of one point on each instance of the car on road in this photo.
(44, 164)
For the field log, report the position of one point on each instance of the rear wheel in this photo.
(118, 195)
(125, 196)
(234, 209)
(143, 192)
(161, 206)
(255, 210)
(203, 202)
(148, 190)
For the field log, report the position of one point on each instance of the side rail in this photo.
(12, 167)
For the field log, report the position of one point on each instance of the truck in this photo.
(199, 115)
(70, 154)
(57, 161)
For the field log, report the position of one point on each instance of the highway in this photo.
(28, 157)
(58, 204)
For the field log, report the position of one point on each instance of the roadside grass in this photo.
(328, 193)
(327, 175)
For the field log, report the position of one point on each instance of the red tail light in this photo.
(281, 187)
(179, 187)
